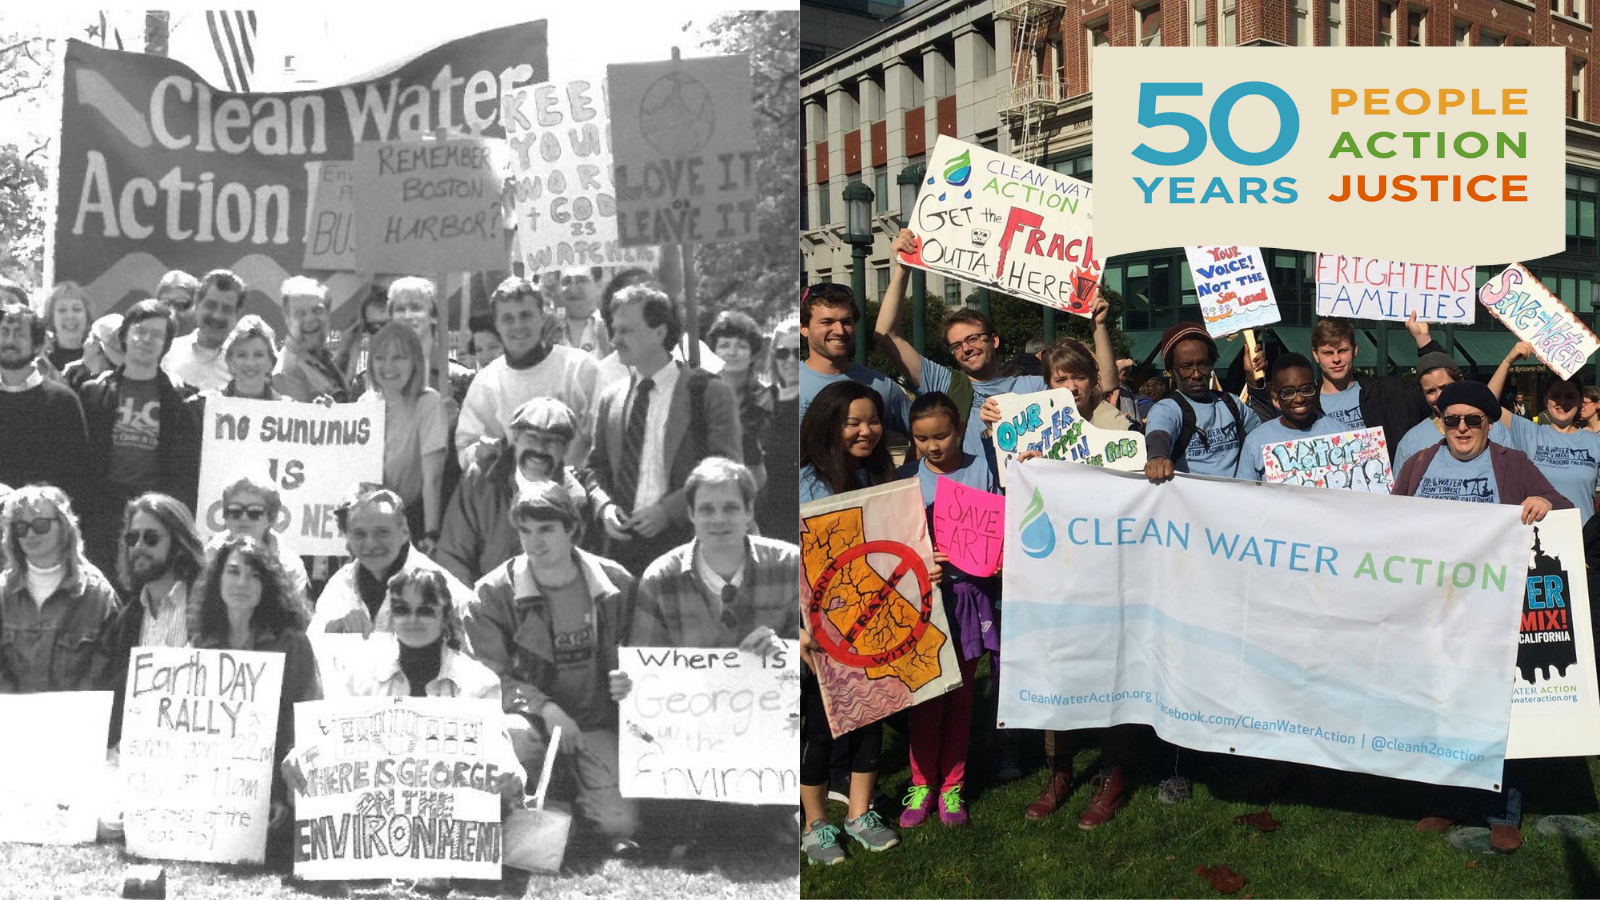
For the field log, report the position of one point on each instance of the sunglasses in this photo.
(1453, 422)
(239, 511)
(1304, 390)
(150, 536)
(784, 352)
(405, 610)
(37, 526)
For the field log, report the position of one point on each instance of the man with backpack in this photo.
(1194, 429)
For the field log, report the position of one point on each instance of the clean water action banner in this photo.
(51, 789)
(996, 221)
(710, 724)
(1555, 710)
(1533, 314)
(1355, 287)
(1206, 608)
(1233, 288)
(1049, 422)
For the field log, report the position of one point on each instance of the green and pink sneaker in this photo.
(952, 811)
(918, 806)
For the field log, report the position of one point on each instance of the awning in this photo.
(1485, 348)
(1367, 349)
(1142, 345)
(1295, 337)
(1228, 348)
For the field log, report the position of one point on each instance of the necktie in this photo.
(730, 619)
(633, 446)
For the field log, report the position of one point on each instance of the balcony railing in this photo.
(1015, 9)
(1035, 95)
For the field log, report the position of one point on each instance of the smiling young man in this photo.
(305, 369)
(196, 358)
(1295, 395)
(828, 327)
(1358, 401)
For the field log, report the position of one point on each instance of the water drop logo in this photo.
(959, 169)
(1038, 535)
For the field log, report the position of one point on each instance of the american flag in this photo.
(233, 35)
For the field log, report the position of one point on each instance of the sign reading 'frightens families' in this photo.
(1356, 287)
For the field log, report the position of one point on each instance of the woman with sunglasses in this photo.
(54, 604)
(253, 510)
(415, 428)
(1566, 452)
(779, 508)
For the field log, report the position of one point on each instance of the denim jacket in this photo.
(57, 646)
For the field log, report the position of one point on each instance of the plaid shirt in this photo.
(677, 609)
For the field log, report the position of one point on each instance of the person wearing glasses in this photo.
(1363, 401)
(1195, 429)
(250, 508)
(1293, 387)
(306, 371)
(352, 358)
(178, 289)
(55, 605)
(1567, 454)
(1434, 371)
(779, 508)
(1468, 467)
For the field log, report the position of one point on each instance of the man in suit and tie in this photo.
(651, 431)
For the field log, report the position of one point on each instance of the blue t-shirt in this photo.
(1426, 433)
(937, 378)
(896, 405)
(1214, 447)
(1345, 407)
(812, 487)
(1448, 478)
(1570, 461)
(973, 472)
(1251, 467)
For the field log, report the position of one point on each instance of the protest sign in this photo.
(399, 787)
(710, 724)
(1555, 710)
(330, 215)
(1232, 285)
(684, 151)
(1275, 623)
(1533, 314)
(1349, 461)
(1356, 287)
(159, 170)
(1048, 421)
(313, 455)
(882, 641)
(198, 732)
(51, 789)
(345, 660)
(426, 207)
(997, 221)
(968, 526)
(566, 201)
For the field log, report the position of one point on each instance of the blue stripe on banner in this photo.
(222, 54)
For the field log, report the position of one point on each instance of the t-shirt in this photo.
(896, 405)
(409, 435)
(936, 377)
(135, 464)
(1251, 465)
(972, 472)
(1214, 447)
(572, 619)
(1448, 478)
(812, 487)
(1426, 433)
(1569, 461)
(1345, 407)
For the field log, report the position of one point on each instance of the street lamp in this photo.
(910, 181)
(858, 234)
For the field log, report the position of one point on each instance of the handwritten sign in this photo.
(1349, 461)
(312, 454)
(710, 724)
(1233, 288)
(330, 215)
(684, 151)
(997, 221)
(1048, 421)
(428, 207)
(968, 526)
(398, 787)
(1532, 313)
(198, 732)
(50, 789)
(1358, 287)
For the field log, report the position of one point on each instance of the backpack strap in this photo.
(1186, 429)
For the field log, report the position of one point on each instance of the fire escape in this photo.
(1036, 90)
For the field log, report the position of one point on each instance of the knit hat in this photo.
(1427, 362)
(1181, 332)
(1470, 393)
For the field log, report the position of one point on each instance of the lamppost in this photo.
(858, 234)
(910, 181)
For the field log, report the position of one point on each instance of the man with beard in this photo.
(580, 297)
(306, 370)
(1293, 389)
(51, 445)
(478, 534)
(828, 327)
(532, 367)
(196, 359)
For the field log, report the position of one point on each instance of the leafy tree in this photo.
(25, 66)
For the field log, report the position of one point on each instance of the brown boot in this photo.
(1435, 824)
(1107, 800)
(1055, 792)
(1505, 838)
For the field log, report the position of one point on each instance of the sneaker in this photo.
(820, 842)
(951, 810)
(1505, 838)
(918, 806)
(1107, 799)
(869, 831)
(1174, 790)
(1006, 768)
(1056, 790)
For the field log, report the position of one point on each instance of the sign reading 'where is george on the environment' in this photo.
(997, 221)
(683, 151)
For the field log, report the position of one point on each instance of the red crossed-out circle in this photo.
(844, 651)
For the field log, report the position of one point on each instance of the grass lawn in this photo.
(1359, 844)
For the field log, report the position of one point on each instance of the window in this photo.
(880, 186)
(1462, 34)
(1583, 197)
(880, 278)
(1300, 23)
(824, 213)
(1149, 25)
(1416, 27)
(1080, 167)
(1333, 28)
(1098, 36)
(1488, 38)
(1385, 25)
(1578, 11)
(1227, 24)
(1197, 23)
(1575, 105)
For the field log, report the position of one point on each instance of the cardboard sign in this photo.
(994, 220)
(1233, 288)
(330, 215)
(314, 455)
(968, 526)
(1532, 313)
(684, 151)
(1356, 287)
(1555, 708)
(1348, 461)
(427, 207)
(1048, 421)
(51, 791)
(198, 732)
(398, 787)
(710, 724)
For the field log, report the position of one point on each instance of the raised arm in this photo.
(1497, 382)
(886, 328)
(1104, 358)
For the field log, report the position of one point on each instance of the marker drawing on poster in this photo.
(426, 207)
(1232, 286)
(968, 526)
(1349, 461)
(1357, 287)
(1048, 422)
(1532, 313)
